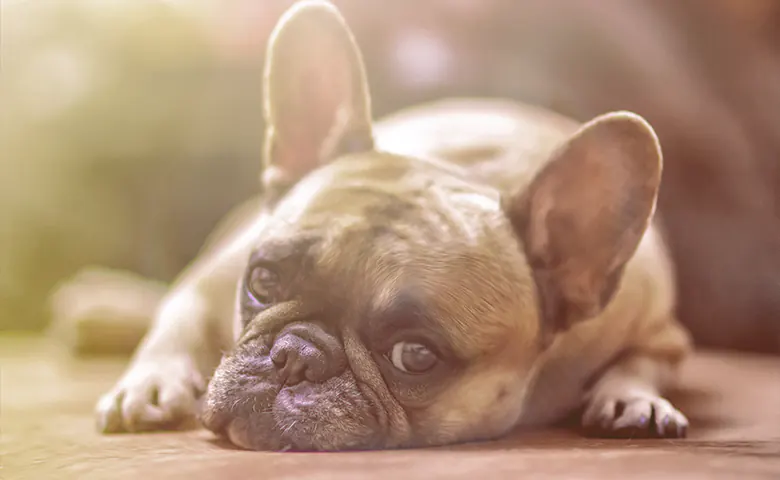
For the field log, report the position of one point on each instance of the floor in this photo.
(732, 400)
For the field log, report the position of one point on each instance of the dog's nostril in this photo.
(279, 357)
(297, 360)
(289, 365)
(311, 375)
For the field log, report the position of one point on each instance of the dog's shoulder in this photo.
(640, 319)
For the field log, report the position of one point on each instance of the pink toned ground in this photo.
(732, 400)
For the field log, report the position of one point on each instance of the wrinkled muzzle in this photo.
(294, 392)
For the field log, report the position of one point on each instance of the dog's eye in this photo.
(412, 357)
(262, 285)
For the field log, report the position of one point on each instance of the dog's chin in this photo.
(246, 404)
(240, 433)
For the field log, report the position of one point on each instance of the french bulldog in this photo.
(451, 273)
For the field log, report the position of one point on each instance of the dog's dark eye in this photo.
(410, 357)
(262, 284)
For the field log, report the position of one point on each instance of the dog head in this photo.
(395, 302)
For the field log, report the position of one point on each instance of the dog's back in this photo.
(499, 142)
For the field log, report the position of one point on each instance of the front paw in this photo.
(633, 416)
(152, 395)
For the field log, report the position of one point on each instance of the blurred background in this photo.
(128, 128)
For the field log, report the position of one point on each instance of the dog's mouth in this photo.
(247, 404)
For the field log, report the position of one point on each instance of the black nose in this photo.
(306, 352)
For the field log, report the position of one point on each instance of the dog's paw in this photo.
(633, 416)
(152, 395)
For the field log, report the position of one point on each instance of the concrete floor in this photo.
(732, 400)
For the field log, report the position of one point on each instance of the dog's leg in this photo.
(168, 372)
(626, 401)
(170, 369)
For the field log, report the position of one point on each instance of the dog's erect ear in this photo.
(316, 95)
(583, 216)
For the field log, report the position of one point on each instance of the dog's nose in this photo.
(306, 352)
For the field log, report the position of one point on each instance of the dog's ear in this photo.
(316, 95)
(583, 216)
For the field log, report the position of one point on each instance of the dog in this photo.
(448, 274)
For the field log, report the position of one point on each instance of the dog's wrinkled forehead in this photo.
(403, 194)
(364, 250)
(348, 234)
(382, 207)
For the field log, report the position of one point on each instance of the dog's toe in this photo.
(636, 417)
(139, 413)
(669, 422)
(109, 412)
(599, 414)
(639, 417)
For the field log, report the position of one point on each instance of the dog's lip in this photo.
(289, 393)
(238, 434)
(218, 418)
(377, 410)
(236, 429)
